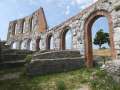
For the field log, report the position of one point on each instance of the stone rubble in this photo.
(113, 69)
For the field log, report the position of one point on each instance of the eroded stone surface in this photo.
(113, 69)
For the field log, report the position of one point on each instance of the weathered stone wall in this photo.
(48, 66)
(57, 54)
(113, 69)
(10, 58)
(116, 25)
(76, 24)
(26, 29)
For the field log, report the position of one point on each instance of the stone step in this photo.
(13, 57)
(48, 66)
(42, 51)
(13, 51)
(12, 64)
(69, 58)
(57, 54)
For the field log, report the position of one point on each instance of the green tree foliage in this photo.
(101, 38)
(107, 38)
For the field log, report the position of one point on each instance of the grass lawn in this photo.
(72, 80)
(102, 52)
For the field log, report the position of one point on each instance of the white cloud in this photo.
(94, 0)
(67, 11)
(79, 2)
(82, 3)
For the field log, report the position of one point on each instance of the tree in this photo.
(107, 38)
(101, 38)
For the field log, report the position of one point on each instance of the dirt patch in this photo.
(84, 87)
(10, 76)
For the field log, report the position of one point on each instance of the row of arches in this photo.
(25, 25)
(23, 45)
(65, 42)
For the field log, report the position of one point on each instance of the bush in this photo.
(103, 82)
(61, 85)
(28, 58)
(103, 48)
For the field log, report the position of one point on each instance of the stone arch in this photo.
(14, 45)
(23, 45)
(37, 43)
(29, 44)
(34, 21)
(26, 25)
(48, 41)
(19, 44)
(62, 37)
(13, 28)
(31, 21)
(40, 43)
(23, 26)
(16, 28)
(88, 36)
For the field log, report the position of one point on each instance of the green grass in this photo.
(5, 71)
(60, 81)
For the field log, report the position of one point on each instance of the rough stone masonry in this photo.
(31, 32)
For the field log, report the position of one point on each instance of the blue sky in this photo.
(100, 23)
(56, 11)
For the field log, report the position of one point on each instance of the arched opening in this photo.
(88, 35)
(49, 42)
(19, 46)
(40, 44)
(34, 22)
(13, 30)
(23, 45)
(37, 43)
(14, 45)
(16, 28)
(24, 27)
(29, 45)
(66, 39)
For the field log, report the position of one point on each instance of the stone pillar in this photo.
(37, 44)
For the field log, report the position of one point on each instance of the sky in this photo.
(100, 23)
(56, 11)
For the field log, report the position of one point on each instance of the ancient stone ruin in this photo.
(32, 32)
